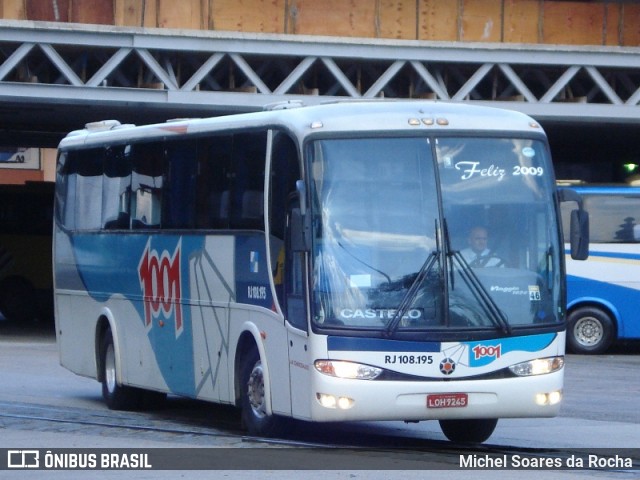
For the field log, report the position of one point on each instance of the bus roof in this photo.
(347, 116)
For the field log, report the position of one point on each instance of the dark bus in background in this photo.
(26, 280)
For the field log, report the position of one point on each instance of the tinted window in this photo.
(612, 218)
(214, 182)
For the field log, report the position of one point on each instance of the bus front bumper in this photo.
(335, 399)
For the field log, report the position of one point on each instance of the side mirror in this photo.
(579, 234)
(579, 228)
(300, 231)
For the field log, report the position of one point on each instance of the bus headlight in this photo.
(539, 366)
(343, 369)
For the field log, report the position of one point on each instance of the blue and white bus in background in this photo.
(603, 293)
(308, 262)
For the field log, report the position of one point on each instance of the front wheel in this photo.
(253, 400)
(589, 330)
(468, 431)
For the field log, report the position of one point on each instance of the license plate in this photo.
(447, 400)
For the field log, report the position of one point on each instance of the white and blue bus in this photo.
(603, 293)
(307, 262)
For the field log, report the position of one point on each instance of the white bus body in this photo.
(309, 263)
(603, 293)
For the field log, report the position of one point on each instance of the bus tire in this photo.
(589, 330)
(116, 396)
(253, 401)
(468, 431)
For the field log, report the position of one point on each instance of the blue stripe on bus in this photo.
(361, 344)
(621, 300)
(621, 255)
(529, 343)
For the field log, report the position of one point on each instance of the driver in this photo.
(477, 254)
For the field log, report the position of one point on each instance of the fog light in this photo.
(554, 397)
(327, 401)
(332, 401)
(551, 398)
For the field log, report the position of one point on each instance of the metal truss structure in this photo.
(90, 72)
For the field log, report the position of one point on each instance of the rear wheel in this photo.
(116, 396)
(589, 330)
(468, 431)
(253, 400)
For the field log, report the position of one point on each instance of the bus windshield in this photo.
(450, 234)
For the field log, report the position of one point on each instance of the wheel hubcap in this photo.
(588, 331)
(255, 390)
(110, 369)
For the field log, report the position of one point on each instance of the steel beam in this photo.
(196, 68)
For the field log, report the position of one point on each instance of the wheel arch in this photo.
(607, 307)
(250, 339)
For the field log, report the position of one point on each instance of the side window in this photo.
(613, 218)
(88, 189)
(287, 266)
(247, 180)
(66, 177)
(285, 171)
(146, 185)
(213, 183)
(179, 192)
(116, 188)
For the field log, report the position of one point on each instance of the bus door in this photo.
(295, 295)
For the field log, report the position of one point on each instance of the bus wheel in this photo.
(253, 401)
(468, 431)
(117, 397)
(589, 330)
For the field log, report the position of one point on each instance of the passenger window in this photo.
(146, 185)
(247, 181)
(66, 178)
(116, 188)
(88, 189)
(179, 193)
(213, 199)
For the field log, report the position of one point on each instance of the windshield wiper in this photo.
(411, 294)
(496, 315)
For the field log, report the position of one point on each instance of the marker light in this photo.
(540, 366)
(551, 398)
(332, 401)
(342, 369)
